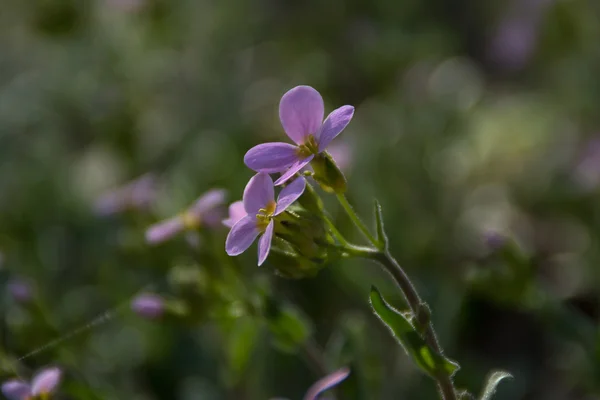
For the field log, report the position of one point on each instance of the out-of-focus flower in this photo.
(515, 39)
(236, 212)
(42, 385)
(301, 112)
(494, 240)
(203, 212)
(45, 382)
(137, 194)
(326, 383)
(148, 305)
(15, 389)
(261, 208)
(19, 290)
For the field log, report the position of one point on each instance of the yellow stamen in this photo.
(310, 146)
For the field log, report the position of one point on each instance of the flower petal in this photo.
(236, 212)
(333, 125)
(164, 230)
(326, 383)
(46, 381)
(297, 166)
(209, 200)
(301, 112)
(241, 235)
(15, 389)
(258, 193)
(264, 244)
(290, 194)
(271, 157)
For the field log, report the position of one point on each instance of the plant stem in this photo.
(355, 219)
(417, 306)
(388, 262)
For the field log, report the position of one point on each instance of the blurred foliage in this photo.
(472, 117)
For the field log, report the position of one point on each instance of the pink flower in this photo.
(301, 113)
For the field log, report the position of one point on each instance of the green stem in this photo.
(355, 219)
(417, 306)
(334, 230)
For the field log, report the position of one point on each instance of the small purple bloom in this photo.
(20, 290)
(148, 305)
(261, 208)
(137, 194)
(301, 113)
(15, 389)
(236, 212)
(45, 382)
(495, 240)
(203, 211)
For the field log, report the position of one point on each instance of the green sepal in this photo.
(327, 174)
(413, 343)
(492, 382)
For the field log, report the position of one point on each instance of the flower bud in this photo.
(291, 265)
(45, 382)
(327, 174)
(148, 305)
(306, 232)
(20, 290)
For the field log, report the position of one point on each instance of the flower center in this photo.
(309, 147)
(265, 215)
(189, 220)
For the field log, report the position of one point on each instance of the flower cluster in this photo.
(301, 112)
(42, 385)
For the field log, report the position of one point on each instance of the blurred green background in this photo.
(476, 127)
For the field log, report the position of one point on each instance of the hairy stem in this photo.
(417, 306)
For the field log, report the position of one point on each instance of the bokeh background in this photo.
(477, 127)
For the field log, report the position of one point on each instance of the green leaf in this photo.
(492, 383)
(289, 329)
(412, 342)
(241, 345)
(381, 236)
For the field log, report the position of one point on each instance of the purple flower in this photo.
(236, 212)
(15, 389)
(326, 383)
(137, 194)
(148, 305)
(203, 211)
(45, 382)
(20, 290)
(301, 113)
(42, 385)
(261, 208)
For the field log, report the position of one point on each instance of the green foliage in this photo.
(413, 343)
